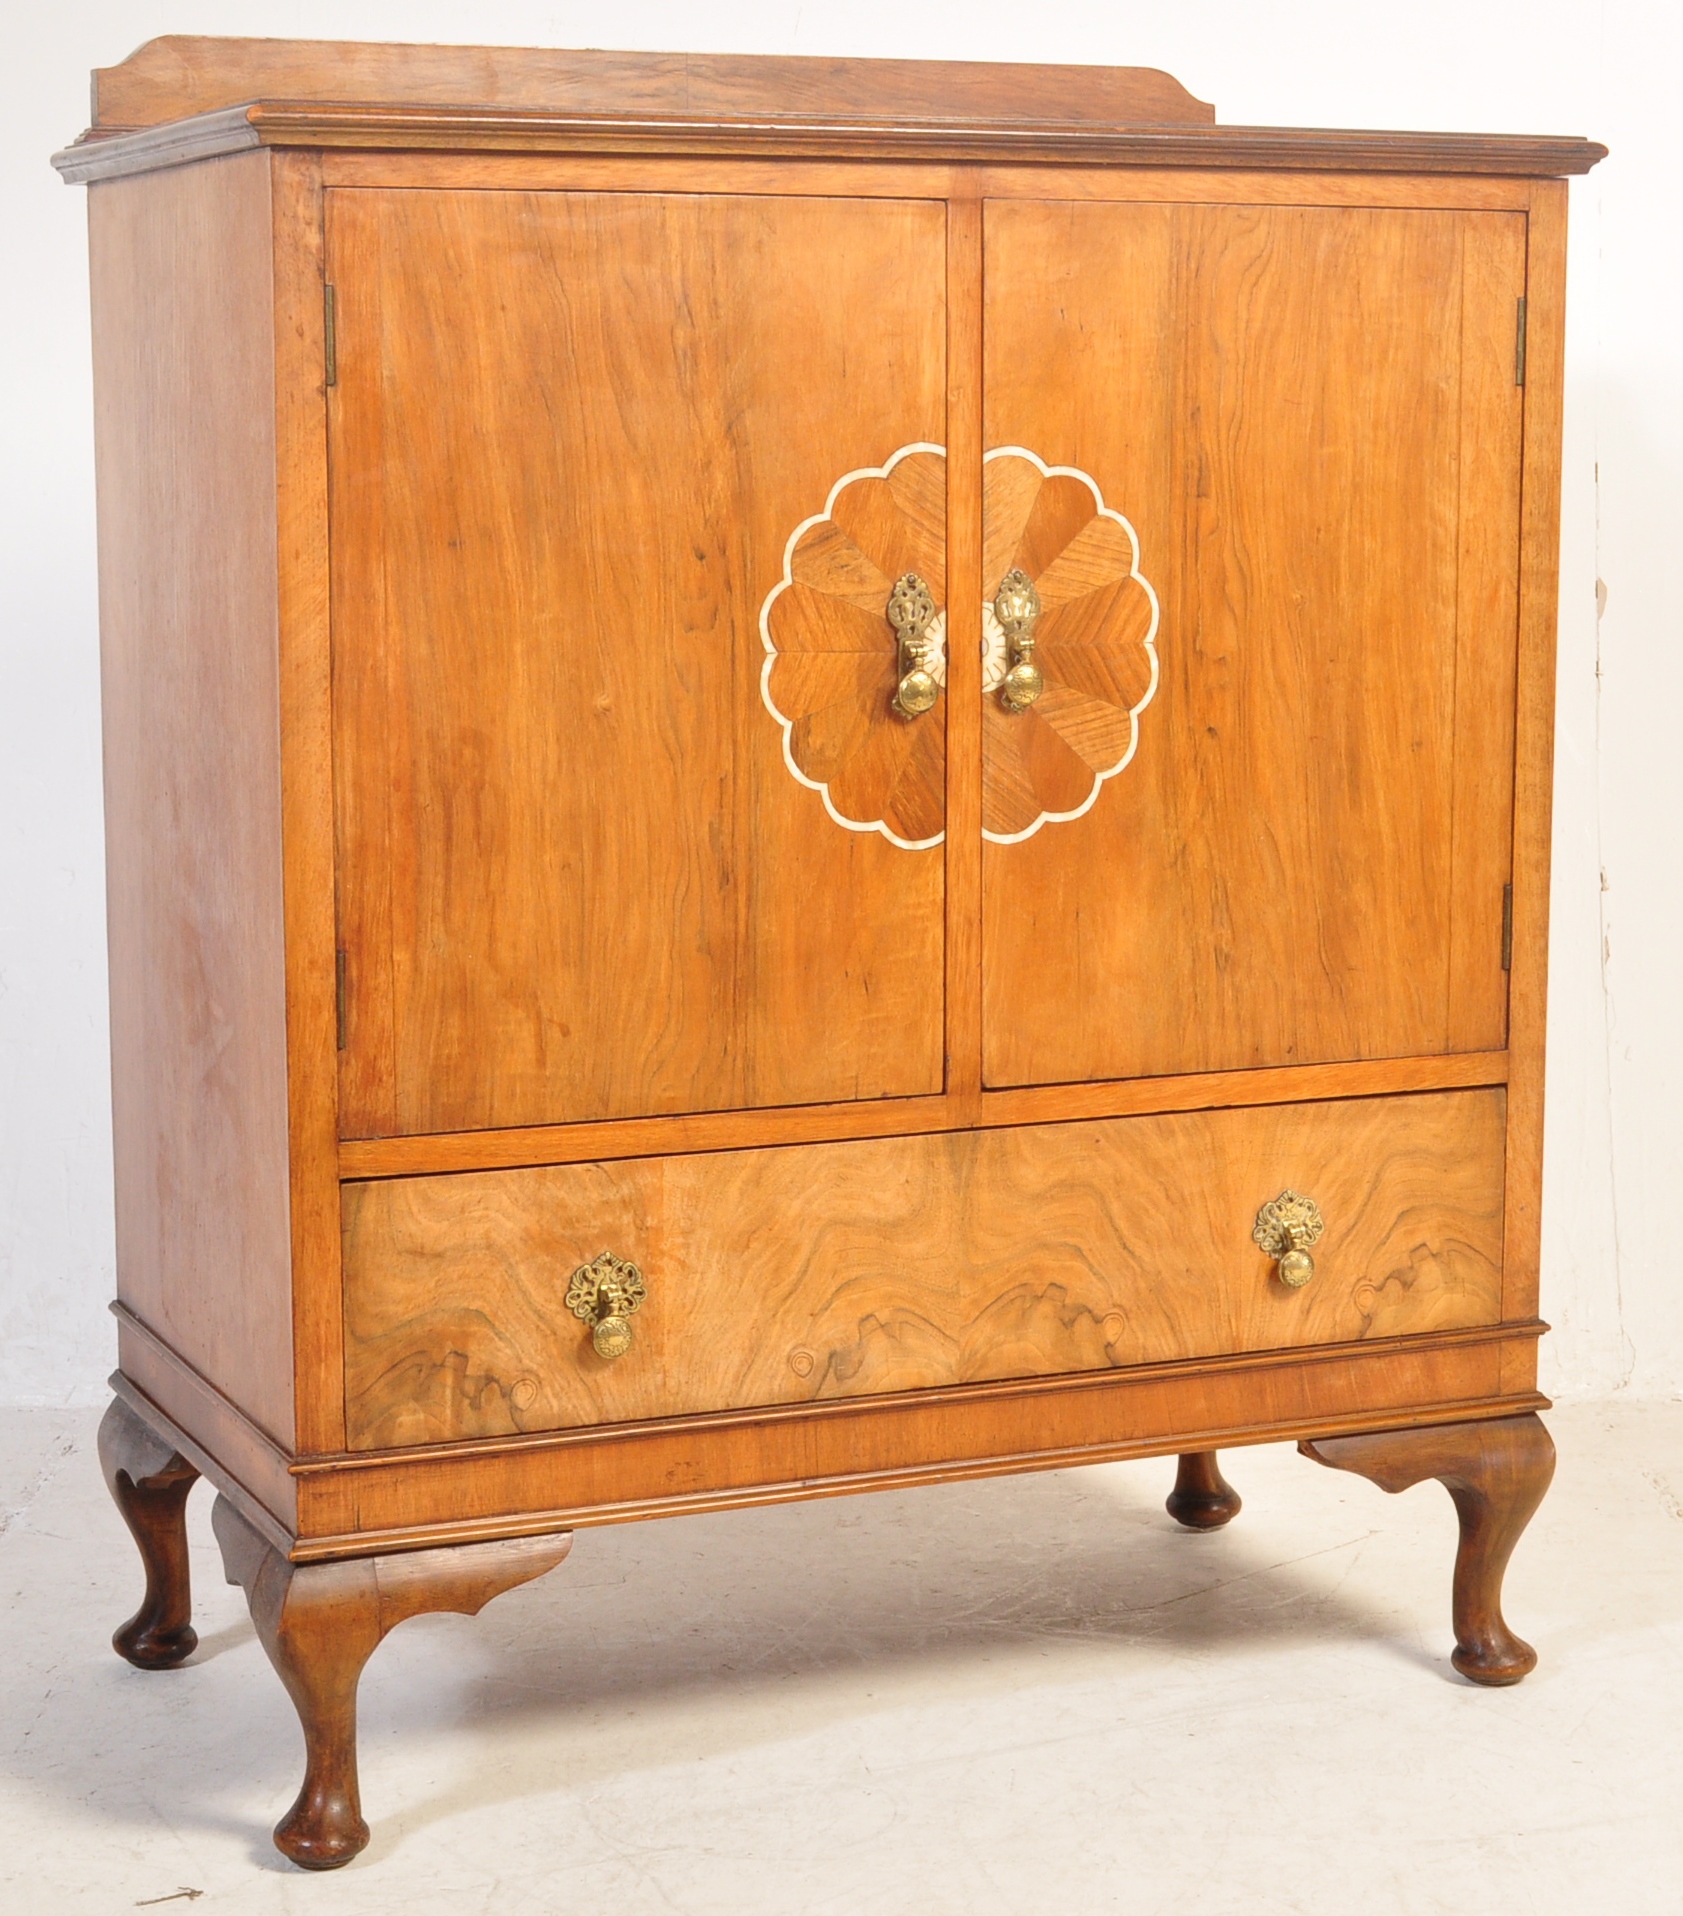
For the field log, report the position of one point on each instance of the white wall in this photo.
(1615, 1139)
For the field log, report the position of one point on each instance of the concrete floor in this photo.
(1032, 1695)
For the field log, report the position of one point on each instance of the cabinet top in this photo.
(187, 97)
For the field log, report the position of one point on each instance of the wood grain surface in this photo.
(162, 1388)
(833, 665)
(964, 652)
(1497, 1474)
(319, 1624)
(180, 74)
(902, 1117)
(150, 1482)
(570, 439)
(1311, 421)
(525, 1485)
(184, 412)
(905, 179)
(890, 1265)
(1545, 369)
(713, 135)
(308, 849)
(1202, 1498)
(589, 380)
(1092, 637)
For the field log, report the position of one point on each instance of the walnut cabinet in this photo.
(821, 774)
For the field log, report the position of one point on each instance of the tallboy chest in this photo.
(820, 775)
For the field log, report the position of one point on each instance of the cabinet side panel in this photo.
(184, 416)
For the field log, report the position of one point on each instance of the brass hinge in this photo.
(330, 335)
(339, 992)
(1507, 928)
(1519, 344)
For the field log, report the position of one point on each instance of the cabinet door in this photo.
(584, 872)
(1264, 464)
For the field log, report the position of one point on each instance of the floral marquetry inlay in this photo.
(833, 658)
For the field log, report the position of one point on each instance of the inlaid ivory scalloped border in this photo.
(990, 641)
(786, 725)
(993, 645)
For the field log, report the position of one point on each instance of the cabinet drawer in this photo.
(837, 1270)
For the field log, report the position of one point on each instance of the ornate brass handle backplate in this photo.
(1285, 1228)
(1016, 606)
(604, 1293)
(911, 612)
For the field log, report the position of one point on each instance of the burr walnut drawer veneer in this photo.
(815, 1272)
(820, 774)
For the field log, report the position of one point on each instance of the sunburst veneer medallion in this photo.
(832, 657)
(1095, 644)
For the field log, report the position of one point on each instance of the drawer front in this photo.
(838, 1270)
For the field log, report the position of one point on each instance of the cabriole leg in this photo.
(1497, 1473)
(149, 1482)
(1202, 1498)
(321, 1622)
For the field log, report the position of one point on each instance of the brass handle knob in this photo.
(1016, 606)
(911, 612)
(1285, 1228)
(603, 1294)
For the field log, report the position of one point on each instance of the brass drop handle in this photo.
(1285, 1228)
(603, 1294)
(911, 612)
(1016, 606)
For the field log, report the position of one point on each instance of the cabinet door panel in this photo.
(570, 438)
(1309, 420)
